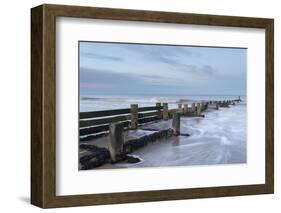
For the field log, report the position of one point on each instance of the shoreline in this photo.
(150, 143)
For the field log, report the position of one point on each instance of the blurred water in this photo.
(219, 138)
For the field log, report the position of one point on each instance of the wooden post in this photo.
(180, 107)
(193, 107)
(116, 141)
(134, 116)
(198, 108)
(203, 106)
(185, 108)
(217, 105)
(158, 105)
(176, 123)
(165, 111)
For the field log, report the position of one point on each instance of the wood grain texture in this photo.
(95, 114)
(269, 106)
(94, 122)
(43, 105)
(36, 106)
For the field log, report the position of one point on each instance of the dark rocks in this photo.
(224, 104)
(132, 159)
(185, 134)
(135, 144)
(94, 156)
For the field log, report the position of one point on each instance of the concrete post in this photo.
(185, 108)
(217, 105)
(203, 106)
(176, 123)
(134, 116)
(116, 141)
(180, 107)
(158, 105)
(193, 107)
(198, 108)
(165, 111)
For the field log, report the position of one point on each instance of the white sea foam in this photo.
(96, 103)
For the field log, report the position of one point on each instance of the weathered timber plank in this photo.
(104, 113)
(143, 109)
(94, 122)
(97, 129)
(148, 119)
(147, 114)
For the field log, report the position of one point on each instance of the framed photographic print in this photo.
(136, 106)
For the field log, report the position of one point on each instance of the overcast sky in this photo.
(134, 69)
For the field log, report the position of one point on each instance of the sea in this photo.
(218, 138)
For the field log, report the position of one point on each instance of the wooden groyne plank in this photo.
(95, 122)
(152, 108)
(98, 129)
(107, 120)
(148, 119)
(148, 114)
(92, 123)
(103, 113)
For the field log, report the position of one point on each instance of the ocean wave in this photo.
(96, 103)
(90, 98)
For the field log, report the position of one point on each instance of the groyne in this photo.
(109, 136)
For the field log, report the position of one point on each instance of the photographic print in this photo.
(139, 106)
(156, 105)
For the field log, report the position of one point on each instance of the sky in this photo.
(122, 69)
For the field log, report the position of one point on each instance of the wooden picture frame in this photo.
(43, 105)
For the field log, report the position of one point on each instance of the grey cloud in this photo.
(126, 83)
(207, 69)
(106, 75)
(204, 69)
(101, 57)
(169, 55)
(159, 50)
